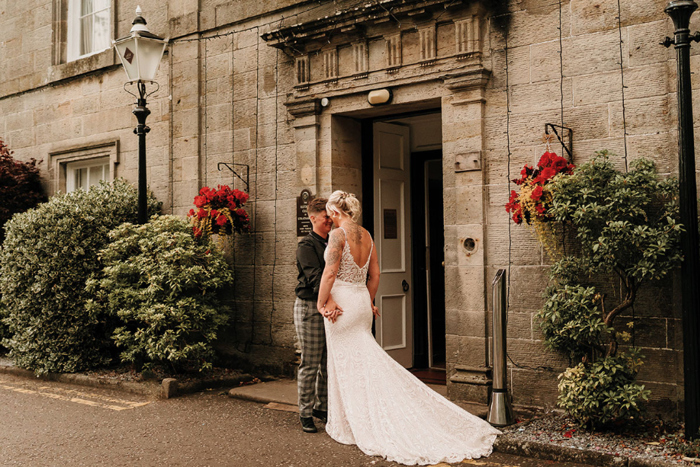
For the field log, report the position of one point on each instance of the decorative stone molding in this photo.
(303, 108)
(60, 157)
(303, 70)
(330, 64)
(361, 59)
(308, 35)
(474, 78)
(393, 52)
(467, 37)
(428, 45)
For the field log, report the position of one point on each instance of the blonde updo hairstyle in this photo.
(345, 203)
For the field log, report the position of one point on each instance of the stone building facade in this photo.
(279, 90)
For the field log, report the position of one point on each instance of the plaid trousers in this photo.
(311, 380)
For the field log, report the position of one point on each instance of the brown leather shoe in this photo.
(307, 424)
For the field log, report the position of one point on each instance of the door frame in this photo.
(367, 174)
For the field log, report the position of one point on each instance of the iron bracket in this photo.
(231, 166)
(566, 133)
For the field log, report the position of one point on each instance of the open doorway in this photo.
(403, 199)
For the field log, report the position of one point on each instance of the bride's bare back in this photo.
(359, 241)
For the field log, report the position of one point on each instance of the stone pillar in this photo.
(306, 132)
(468, 363)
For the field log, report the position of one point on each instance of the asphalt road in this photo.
(47, 423)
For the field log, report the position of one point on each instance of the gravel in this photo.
(648, 441)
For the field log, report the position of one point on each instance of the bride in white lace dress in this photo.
(373, 401)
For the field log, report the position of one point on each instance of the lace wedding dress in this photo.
(376, 403)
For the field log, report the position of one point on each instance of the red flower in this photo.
(241, 196)
(202, 213)
(200, 201)
(546, 159)
(537, 193)
(513, 202)
(191, 213)
(559, 164)
(545, 175)
(221, 221)
(540, 208)
(518, 217)
(214, 213)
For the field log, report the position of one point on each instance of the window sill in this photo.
(82, 65)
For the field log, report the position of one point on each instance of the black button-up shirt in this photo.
(310, 265)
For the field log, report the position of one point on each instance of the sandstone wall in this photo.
(222, 99)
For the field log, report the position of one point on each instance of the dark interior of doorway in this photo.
(435, 221)
(427, 218)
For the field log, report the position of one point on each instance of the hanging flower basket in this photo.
(219, 212)
(532, 203)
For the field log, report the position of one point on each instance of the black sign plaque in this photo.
(391, 228)
(304, 226)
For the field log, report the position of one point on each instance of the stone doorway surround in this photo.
(430, 54)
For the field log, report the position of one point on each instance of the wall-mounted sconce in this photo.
(379, 97)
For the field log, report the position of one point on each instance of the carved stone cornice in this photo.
(468, 79)
(295, 39)
(303, 108)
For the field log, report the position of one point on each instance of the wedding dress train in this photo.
(377, 404)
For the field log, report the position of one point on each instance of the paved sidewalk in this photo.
(282, 395)
(283, 392)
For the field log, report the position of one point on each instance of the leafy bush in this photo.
(47, 257)
(20, 186)
(165, 287)
(603, 392)
(626, 229)
(572, 321)
(626, 226)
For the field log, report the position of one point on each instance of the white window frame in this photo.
(100, 164)
(74, 38)
(64, 162)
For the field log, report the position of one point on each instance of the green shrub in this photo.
(624, 231)
(165, 287)
(571, 320)
(603, 393)
(48, 255)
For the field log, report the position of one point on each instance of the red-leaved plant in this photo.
(219, 211)
(532, 202)
(20, 186)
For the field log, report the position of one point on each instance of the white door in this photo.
(392, 237)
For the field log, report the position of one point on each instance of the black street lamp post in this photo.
(140, 52)
(141, 112)
(680, 12)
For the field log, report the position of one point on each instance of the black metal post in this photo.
(680, 12)
(141, 129)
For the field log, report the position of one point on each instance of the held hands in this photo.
(330, 310)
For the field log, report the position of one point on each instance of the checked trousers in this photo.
(311, 380)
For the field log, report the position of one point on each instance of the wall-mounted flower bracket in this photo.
(566, 134)
(231, 166)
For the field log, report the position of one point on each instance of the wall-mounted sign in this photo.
(391, 226)
(304, 226)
